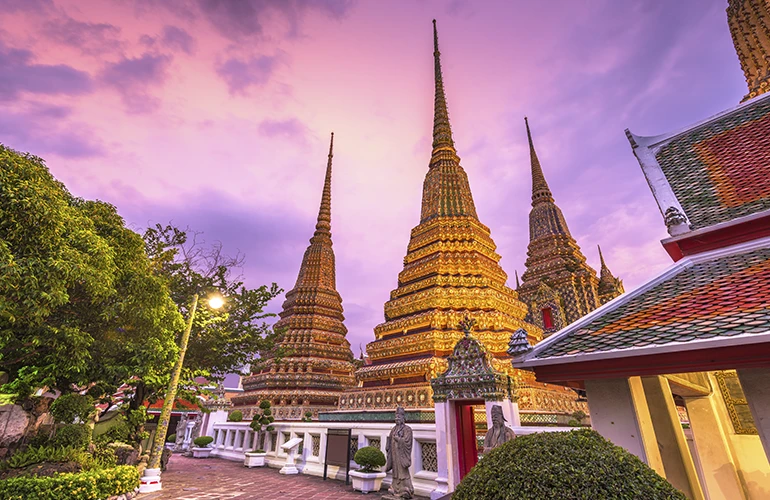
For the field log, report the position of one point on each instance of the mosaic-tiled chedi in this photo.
(319, 363)
(450, 270)
(558, 286)
(749, 22)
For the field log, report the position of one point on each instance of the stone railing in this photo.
(233, 439)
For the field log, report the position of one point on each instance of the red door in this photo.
(466, 438)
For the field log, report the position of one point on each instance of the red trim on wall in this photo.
(717, 358)
(719, 238)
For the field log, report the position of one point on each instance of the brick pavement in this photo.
(218, 479)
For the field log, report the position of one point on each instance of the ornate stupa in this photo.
(558, 286)
(318, 364)
(450, 271)
(749, 22)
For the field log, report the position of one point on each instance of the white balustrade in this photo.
(233, 439)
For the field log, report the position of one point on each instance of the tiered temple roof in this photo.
(318, 364)
(451, 270)
(558, 286)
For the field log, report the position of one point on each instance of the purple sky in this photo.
(216, 115)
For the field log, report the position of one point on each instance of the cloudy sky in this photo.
(216, 115)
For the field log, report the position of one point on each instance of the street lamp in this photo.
(151, 478)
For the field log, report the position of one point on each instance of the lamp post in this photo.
(151, 478)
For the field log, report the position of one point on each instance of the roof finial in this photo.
(540, 190)
(601, 257)
(442, 133)
(516, 273)
(324, 224)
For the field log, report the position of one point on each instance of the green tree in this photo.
(223, 341)
(81, 305)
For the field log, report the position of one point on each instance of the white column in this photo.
(711, 445)
(443, 450)
(672, 445)
(756, 388)
(619, 413)
(215, 417)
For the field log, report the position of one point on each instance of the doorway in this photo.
(467, 446)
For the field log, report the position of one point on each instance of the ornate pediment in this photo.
(470, 374)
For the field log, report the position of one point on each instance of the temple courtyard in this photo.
(213, 478)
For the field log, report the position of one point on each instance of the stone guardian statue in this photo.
(498, 433)
(399, 458)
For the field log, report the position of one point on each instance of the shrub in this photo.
(68, 407)
(203, 441)
(573, 423)
(262, 420)
(235, 416)
(36, 455)
(75, 436)
(171, 438)
(568, 465)
(369, 458)
(579, 415)
(87, 485)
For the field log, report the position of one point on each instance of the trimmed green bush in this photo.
(203, 441)
(580, 464)
(88, 485)
(369, 458)
(171, 438)
(235, 416)
(75, 436)
(68, 407)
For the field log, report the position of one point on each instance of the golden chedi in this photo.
(318, 364)
(451, 270)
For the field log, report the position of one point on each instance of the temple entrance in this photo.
(467, 442)
(465, 396)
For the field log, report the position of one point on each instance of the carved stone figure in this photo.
(498, 433)
(399, 457)
(181, 428)
(196, 430)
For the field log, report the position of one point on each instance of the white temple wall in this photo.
(233, 439)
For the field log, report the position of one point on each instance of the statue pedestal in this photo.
(290, 447)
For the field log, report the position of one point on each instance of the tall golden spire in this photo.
(318, 366)
(324, 225)
(540, 189)
(749, 22)
(445, 192)
(442, 132)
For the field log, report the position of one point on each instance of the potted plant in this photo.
(255, 458)
(201, 448)
(260, 424)
(368, 477)
(171, 442)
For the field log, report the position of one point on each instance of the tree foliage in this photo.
(80, 302)
(223, 341)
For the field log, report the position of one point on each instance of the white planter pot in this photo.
(171, 446)
(254, 459)
(367, 481)
(201, 452)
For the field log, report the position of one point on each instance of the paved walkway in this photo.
(218, 479)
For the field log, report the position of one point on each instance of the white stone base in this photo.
(254, 459)
(201, 452)
(289, 469)
(150, 481)
(367, 481)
